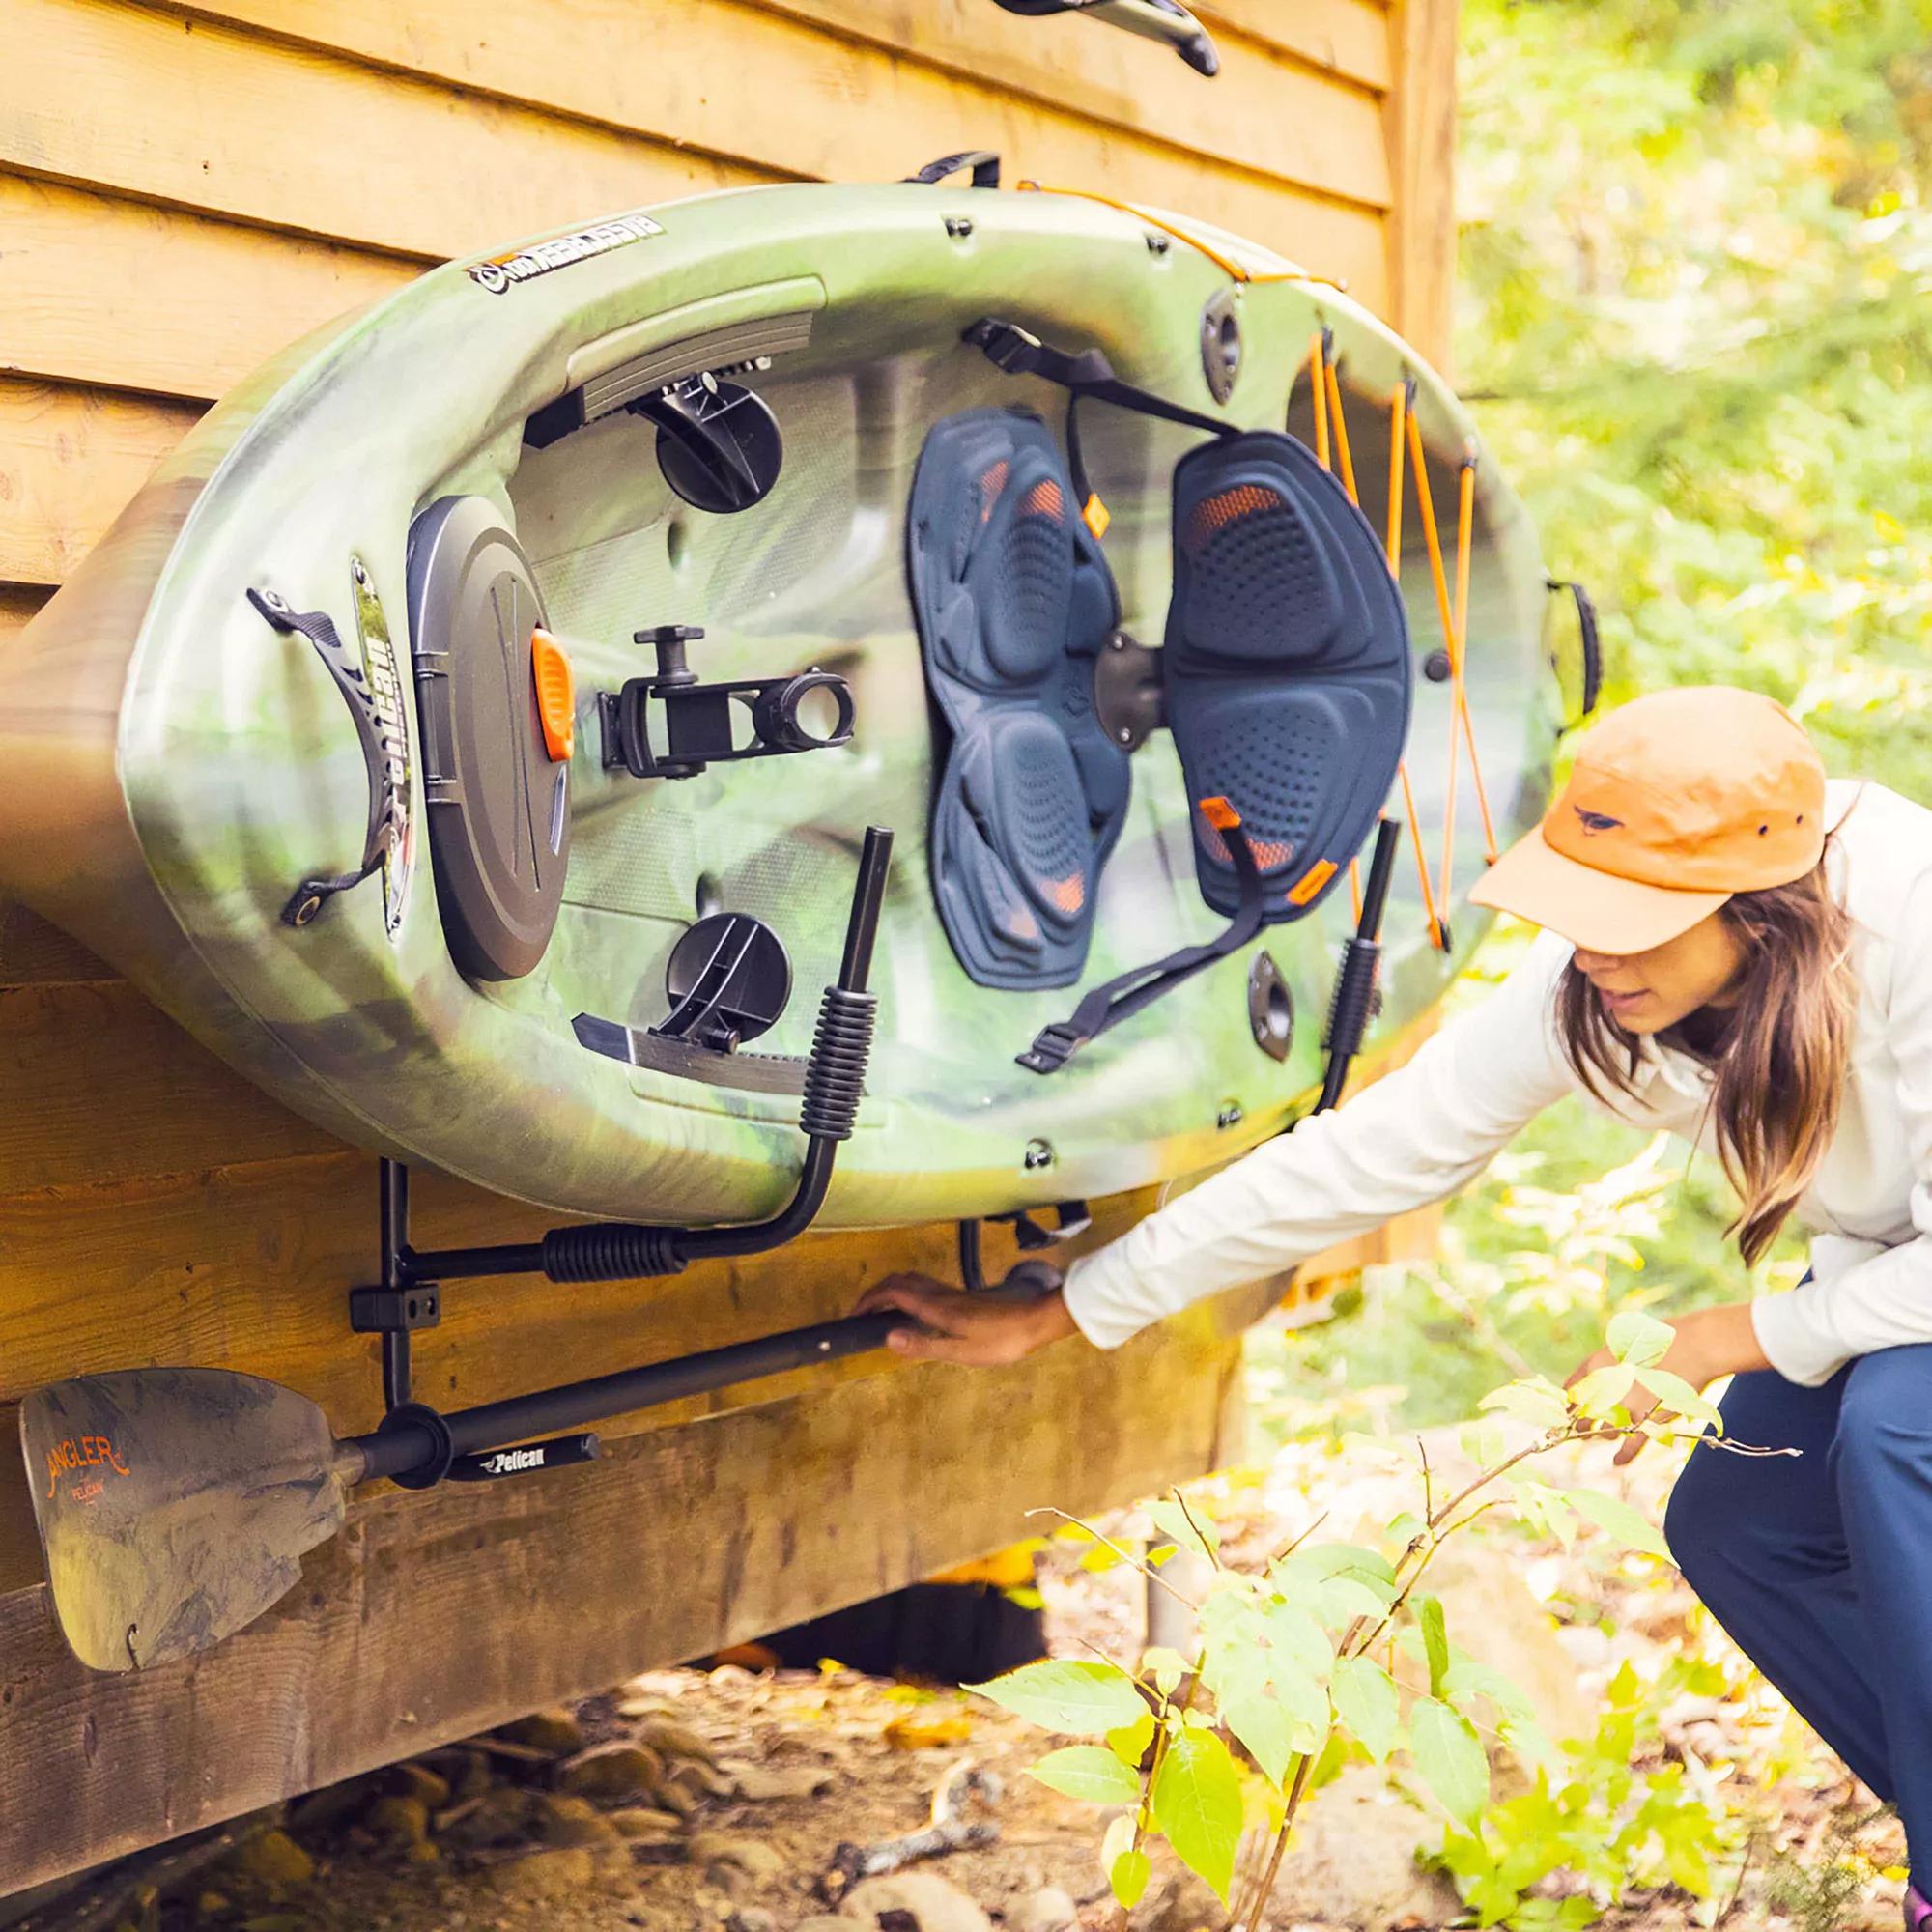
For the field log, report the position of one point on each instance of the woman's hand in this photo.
(1710, 1342)
(1002, 1324)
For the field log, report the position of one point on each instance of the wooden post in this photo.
(1419, 118)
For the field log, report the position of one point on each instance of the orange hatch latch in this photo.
(556, 694)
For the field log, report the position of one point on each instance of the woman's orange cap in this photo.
(1677, 801)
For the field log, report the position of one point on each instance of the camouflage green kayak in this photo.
(469, 729)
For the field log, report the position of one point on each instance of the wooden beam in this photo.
(248, 1266)
(70, 460)
(1420, 115)
(104, 290)
(434, 1615)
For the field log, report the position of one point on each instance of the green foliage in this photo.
(1287, 1662)
(1695, 249)
(1610, 1816)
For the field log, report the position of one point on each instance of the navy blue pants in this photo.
(1819, 1565)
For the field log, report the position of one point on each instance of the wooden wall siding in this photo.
(184, 190)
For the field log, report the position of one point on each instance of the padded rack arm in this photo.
(625, 1251)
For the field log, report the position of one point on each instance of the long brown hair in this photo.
(1779, 1054)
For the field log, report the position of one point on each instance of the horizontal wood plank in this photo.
(188, 112)
(99, 1086)
(33, 953)
(783, 92)
(1344, 38)
(538, 1589)
(104, 290)
(1350, 36)
(70, 460)
(179, 111)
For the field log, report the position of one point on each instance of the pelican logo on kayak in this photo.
(504, 272)
(511, 1462)
(383, 684)
(1596, 821)
(87, 1454)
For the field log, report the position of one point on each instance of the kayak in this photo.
(469, 730)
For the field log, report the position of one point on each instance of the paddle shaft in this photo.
(409, 1443)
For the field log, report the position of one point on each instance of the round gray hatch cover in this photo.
(499, 804)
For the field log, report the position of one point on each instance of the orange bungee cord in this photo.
(1330, 417)
(1460, 725)
(1236, 271)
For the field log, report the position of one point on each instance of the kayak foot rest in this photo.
(1013, 603)
(1286, 666)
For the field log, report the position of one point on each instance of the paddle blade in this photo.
(174, 1505)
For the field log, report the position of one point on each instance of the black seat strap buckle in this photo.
(1120, 997)
(1051, 1047)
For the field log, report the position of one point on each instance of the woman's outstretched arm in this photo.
(1413, 1137)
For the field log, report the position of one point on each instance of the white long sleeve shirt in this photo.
(1428, 1128)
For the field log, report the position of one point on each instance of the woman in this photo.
(1739, 953)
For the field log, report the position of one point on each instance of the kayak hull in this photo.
(177, 764)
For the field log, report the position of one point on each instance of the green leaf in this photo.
(1466, 1679)
(1129, 1876)
(1674, 1393)
(1262, 1725)
(1129, 1742)
(1167, 1667)
(1366, 1702)
(1434, 1631)
(1603, 1390)
(1068, 1694)
(1197, 1804)
(1640, 1338)
(1627, 1525)
(1539, 1403)
(1171, 1521)
(1295, 1639)
(1332, 1572)
(1089, 1772)
(1449, 1757)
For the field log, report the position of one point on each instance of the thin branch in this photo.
(1303, 1766)
(1214, 1556)
(1131, 1561)
(1294, 1544)
(1428, 1487)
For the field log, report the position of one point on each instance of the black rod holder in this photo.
(418, 1447)
(1355, 984)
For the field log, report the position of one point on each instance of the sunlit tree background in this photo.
(1695, 325)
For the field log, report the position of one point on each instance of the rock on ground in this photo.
(932, 1903)
(1352, 1861)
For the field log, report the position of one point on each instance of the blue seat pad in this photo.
(1014, 602)
(1286, 663)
